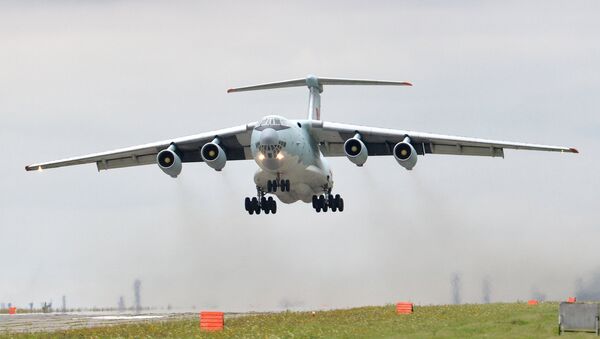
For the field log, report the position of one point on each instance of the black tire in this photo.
(255, 206)
(315, 201)
(287, 185)
(318, 209)
(247, 204)
(272, 205)
(321, 201)
(263, 201)
(274, 185)
(269, 186)
(341, 206)
(251, 211)
(325, 207)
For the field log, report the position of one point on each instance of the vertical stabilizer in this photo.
(314, 97)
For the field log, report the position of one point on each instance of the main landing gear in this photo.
(328, 201)
(260, 203)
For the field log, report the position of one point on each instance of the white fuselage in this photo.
(285, 149)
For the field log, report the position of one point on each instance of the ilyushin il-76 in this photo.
(291, 154)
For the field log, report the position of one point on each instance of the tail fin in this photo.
(315, 87)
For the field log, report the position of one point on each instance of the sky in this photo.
(79, 77)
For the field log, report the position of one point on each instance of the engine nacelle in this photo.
(356, 151)
(405, 155)
(169, 162)
(213, 155)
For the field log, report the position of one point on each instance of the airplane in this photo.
(291, 154)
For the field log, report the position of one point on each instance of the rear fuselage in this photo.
(285, 149)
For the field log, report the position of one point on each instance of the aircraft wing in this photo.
(381, 141)
(235, 142)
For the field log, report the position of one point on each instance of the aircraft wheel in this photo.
(285, 184)
(272, 205)
(341, 206)
(247, 204)
(315, 201)
(269, 186)
(331, 202)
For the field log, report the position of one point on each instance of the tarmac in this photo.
(48, 322)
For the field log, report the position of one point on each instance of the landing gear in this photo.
(283, 185)
(261, 203)
(327, 201)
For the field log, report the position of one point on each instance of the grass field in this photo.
(460, 321)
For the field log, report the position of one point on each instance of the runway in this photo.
(47, 322)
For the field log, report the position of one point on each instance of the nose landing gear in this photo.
(260, 203)
(272, 185)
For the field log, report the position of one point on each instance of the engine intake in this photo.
(213, 155)
(169, 161)
(405, 154)
(356, 151)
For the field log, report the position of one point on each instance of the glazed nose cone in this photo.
(269, 136)
(269, 139)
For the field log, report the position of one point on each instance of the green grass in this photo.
(517, 320)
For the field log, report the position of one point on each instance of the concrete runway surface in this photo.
(47, 322)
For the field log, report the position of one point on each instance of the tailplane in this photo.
(315, 87)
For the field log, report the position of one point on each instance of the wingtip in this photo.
(573, 150)
(230, 90)
(408, 84)
(28, 168)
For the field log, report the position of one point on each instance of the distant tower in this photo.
(137, 284)
(121, 304)
(486, 289)
(64, 303)
(456, 285)
(31, 306)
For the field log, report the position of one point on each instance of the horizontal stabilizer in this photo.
(312, 81)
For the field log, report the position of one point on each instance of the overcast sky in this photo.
(84, 76)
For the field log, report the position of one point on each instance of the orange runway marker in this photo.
(404, 308)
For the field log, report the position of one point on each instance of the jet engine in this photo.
(213, 155)
(169, 162)
(356, 150)
(405, 154)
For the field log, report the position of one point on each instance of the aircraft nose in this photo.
(269, 136)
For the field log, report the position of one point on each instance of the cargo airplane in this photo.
(291, 154)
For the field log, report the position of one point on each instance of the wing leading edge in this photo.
(381, 141)
(235, 142)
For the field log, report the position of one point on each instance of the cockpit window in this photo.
(273, 122)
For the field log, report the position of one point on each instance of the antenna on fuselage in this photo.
(315, 88)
